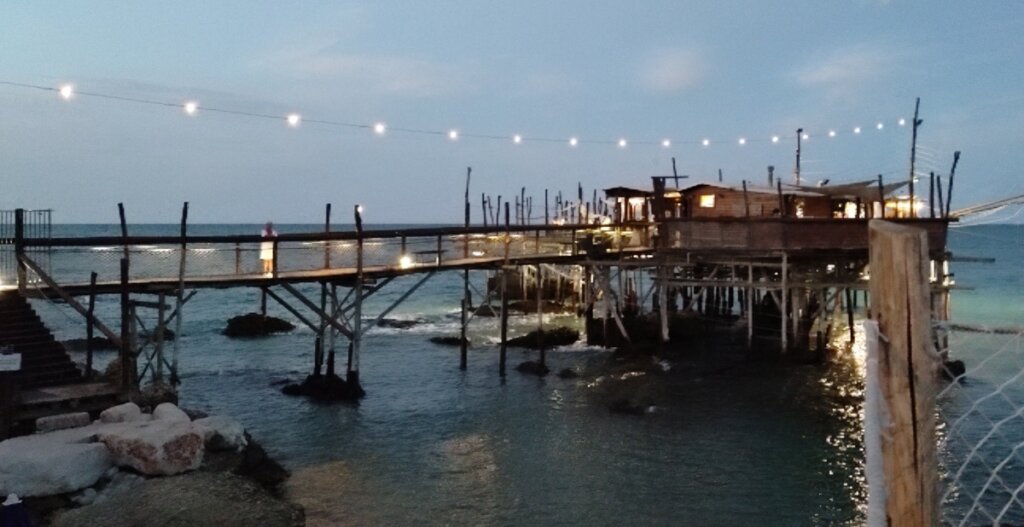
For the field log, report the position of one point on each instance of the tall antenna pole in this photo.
(913, 155)
(799, 137)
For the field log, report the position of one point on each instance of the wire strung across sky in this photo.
(192, 107)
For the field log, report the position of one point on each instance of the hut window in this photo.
(707, 201)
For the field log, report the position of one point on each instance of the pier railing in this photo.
(320, 254)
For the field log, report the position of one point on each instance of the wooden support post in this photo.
(881, 195)
(124, 228)
(90, 326)
(331, 331)
(746, 200)
(540, 315)
(263, 302)
(238, 258)
(785, 301)
(275, 257)
(931, 194)
(327, 243)
(19, 249)
(179, 301)
(938, 191)
(127, 353)
(782, 201)
(158, 353)
(952, 172)
(907, 372)
(847, 292)
(503, 351)
(663, 303)
(749, 297)
(318, 350)
(357, 315)
(546, 217)
(464, 319)
(913, 156)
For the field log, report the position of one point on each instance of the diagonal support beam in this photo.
(398, 301)
(292, 310)
(113, 337)
(316, 309)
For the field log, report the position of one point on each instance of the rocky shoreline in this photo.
(131, 468)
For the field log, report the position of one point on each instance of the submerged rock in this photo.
(256, 325)
(533, 367)
(448, 341)
(398, 323)
(326, 388)
(567, 373)
(548, 338)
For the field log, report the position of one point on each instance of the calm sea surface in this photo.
(732, 440)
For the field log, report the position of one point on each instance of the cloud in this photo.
(672, 71)
(406, 76)
(849, 69)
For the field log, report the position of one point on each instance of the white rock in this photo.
(62, 421)
(221, 433)
(30, 466)
(158, 447)
(122, 413)
(170, 412)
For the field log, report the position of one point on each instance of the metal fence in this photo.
(37, 224)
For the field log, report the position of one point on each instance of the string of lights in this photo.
(193, 108)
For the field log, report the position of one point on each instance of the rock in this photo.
(953, 369)
(221, 433)
(259, 467)
(398, 323)
(326, 388)
(567, 373)
(122, 413)
(195, 414)
(158, 447)
(256, 325)
(42, 465)
(98, 344)
(448, 341)
(155, 394)
(547, 338)
(533, 368)
(170, 412)
(200, 498)
(62, 421)
(85, 497)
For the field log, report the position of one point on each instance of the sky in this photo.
(600, 71)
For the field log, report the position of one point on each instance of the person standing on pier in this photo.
(267, 248)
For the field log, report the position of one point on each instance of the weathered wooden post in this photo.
(503, 352)
(952, 172)
(540, 315)
(90, 325)
(127, 351)
(913, 156)
(327, 242)
(907, 368)
(784, 307)
(352, 375)
(179, 302)
(124, 228)
(464, 319)
(19, 249)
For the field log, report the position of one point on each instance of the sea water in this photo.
(730, 439)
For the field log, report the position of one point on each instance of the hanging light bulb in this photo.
(742, 141)
(831, 133)
(453, 135)
(517, 139)
(879, 126)
(573, 141)
(294, 119)
(705, 142)
(856, 129)
(775, 139)
(806, 136)
(380, 128)
(67, 91)
(665, 143)
(622, 143)
(902, 122)
(191, 107)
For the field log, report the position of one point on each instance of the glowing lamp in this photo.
(67, 91)
(573, 141)
(453, 135)
(879, 126)
(622, 143)
(294, 119)
(380, 128)
(666, 143)
(831, 133)
(775, 139)
(405, 261)
(705, 142)
(191, 107)
(517, 139)
(856, 130)
(742, 141)
(805, 136)
(902, 122)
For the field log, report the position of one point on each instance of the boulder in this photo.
(398, 323)
(531, 367)
(156, 393)
(448, 341)
(256, 325)
(567, 373)
(326, 388)
(170, 412)
(122, 413)
(260, 467)
(221, 433)
(159, 447)
(953, 369)
(42, 467)
(62, 421)
(547, 338)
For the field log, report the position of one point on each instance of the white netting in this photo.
(981, 427)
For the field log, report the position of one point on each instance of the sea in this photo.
(729, 438)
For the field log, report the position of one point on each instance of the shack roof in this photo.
(865, 190)
(753, 189)
(627, 192)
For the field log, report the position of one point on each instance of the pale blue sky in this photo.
(597, 70)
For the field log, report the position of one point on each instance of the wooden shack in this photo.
(630, 204)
